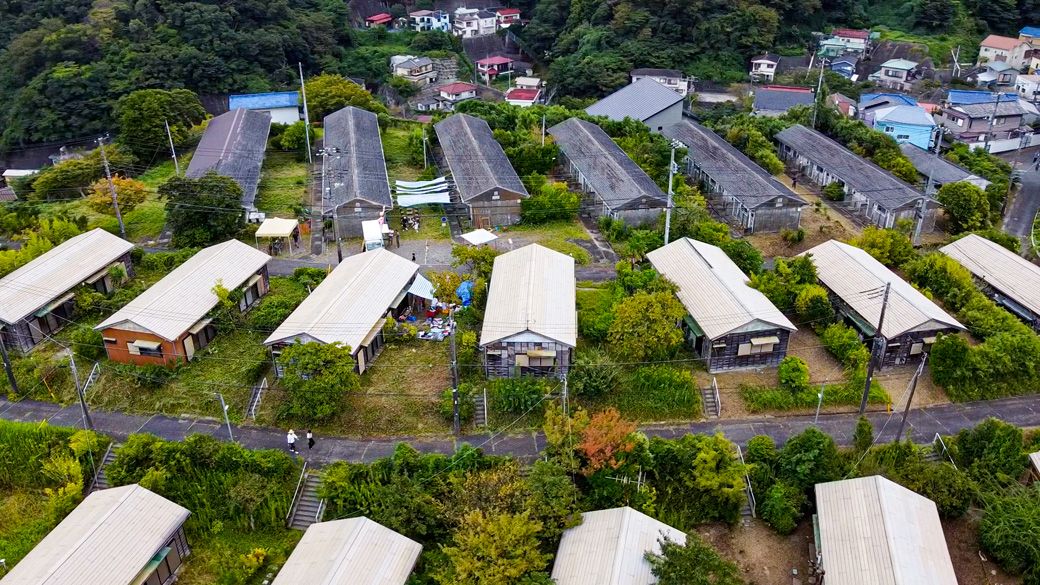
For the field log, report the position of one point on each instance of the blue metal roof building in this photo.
(1029, 31)
(959, 97)
(264, 101)
(893, 98)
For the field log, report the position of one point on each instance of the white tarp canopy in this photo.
(277, 227)
(422, 287)
(15, 173)
(423, 199)
(477, 237)
(419, 185)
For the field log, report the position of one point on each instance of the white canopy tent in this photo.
(478, 237)
(277, 227)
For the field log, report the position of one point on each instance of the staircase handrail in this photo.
(747, 481)
(946, 450)
(718, 401)
(97, 470)
(296, 492)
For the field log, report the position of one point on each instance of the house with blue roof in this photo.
(845, 65)
(282, 106)
(1029, 33)
(907, 124)
(961, 97)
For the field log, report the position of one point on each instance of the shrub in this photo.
(834, 192)
(87, 342)
(890, 247)
(794, 374)
(646, 326)
(316, 378)
(844, 344)
(1010, 531)
(863, 436)
(992, 450)
(593, 373)
(951, 489)
(966, 205)
(698, 478)
(781, 507)
(553, 202)
(809, 458)
(516, 395)
(793, 236)
(446, 404)
(595, 313)
(813, 305)
(692, 563)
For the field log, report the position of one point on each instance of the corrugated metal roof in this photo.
(532, 289)
(876, 532)
(107, 540)
(1009, 273)
(277, 227)
(233, 145)
(616, 179)
(941, 170)
(865, 177)
(984, 110)
(639, 100)
(975, 96)
(355, 551)
(609, 548)
(854, 275)
(904, 64)
(1001, 42)
(56, 272)
(177, 302)
(264, 101)
(913, 115)
(350, 301)
(727, 166)
(358, 171)
(714, 290)
(477, 162)
(781, 100)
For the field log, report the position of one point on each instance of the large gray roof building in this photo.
(645, 100)
(355, 171)
(939, 169)
(477, 162)
(233, 145)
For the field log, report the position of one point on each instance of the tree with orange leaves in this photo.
(605, 440)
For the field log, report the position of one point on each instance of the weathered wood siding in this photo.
(722, 353)
(505, 364)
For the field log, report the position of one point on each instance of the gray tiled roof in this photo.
(727, 166)
(358, 171)
(477, 162)
(781, 100)
(233, 145)
(865, 177)
(941, 170)
(1003, 108)
(656, 72)
(615, 178)
(639, 101)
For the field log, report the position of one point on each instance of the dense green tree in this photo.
(327, 93)
(936, 15)
(809, 458)
(317, 376)
(646, 326)
(863, 436)
(890, 247)
(203, 211)
(142, 114)
(493, 549)
(692, 563)
(966, 205)
(129, 193)
(992, 451)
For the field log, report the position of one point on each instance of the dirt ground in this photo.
(820, 222)
(972, 566)
(764, 557)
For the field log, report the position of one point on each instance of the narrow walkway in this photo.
(923, 424)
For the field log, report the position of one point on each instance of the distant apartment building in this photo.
(429, 20)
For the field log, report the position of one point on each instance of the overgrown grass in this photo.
(283, 184)
(558, 235)
(212, 555)
(939, 45)
(430, 227)
(581, 255)
(660, 404)
(761, 398)
(399, 163)
(24, 522)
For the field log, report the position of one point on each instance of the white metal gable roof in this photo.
(177, 302)
(355, 551)
(876, 532)
(999, 267)
(854, 275)
(56, 272)
(713, 289)
(608, 548)
(532, 289)
(350, 301)
(107, 540)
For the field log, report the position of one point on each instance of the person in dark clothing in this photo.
(310, 439)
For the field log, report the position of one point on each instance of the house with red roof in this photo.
(1015, 52)
(522, 97)
(381, 19)
(449, 95)
(507, 16)
(492, 66)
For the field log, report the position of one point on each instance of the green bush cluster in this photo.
(834, 192)
(166, 261)
(843, 343)
(516, 395)
(593, 373)
(793, 374)
(446, 403)
(553, 202)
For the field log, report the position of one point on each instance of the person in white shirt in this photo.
(291, 439)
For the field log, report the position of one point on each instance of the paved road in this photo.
(1018, 219)
(923, 424)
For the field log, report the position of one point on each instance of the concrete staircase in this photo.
(480, 410)
(308, 507)
(711, 406)
(101, 482)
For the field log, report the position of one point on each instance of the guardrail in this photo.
(718, 400)
(747, 482)
(296, 492)
(320, 512)
(98, 468)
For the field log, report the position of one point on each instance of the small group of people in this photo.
(410, 220)
(291, 437)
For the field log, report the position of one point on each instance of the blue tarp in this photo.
(465, 292)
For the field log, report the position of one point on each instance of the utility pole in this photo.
(879, 340)
(173, 151)
(543, 129)
(326, 192)
(456, 421)
(224, 408)
(938, 147)
(7, 368)
(819, 88)
(566, 408)
(819, 403)
(306, 116)
(913, 386)
(668, 207)
(993, 116)
(112, 187)
(425, 159)
(87, 422)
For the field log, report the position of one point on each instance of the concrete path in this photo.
(923, 424)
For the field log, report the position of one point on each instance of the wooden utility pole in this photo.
(7, 368)
(879, 340)
(173, 151)
(456, 420)
(668, 207)
(913, 386)
(112, 187)
(87, 422)
(306, 115)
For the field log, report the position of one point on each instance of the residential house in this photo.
(609, 547)
(352, 551)
(38, 299)
(896, 74)
(842, 41)
(1029, 34)
(233, 146)
(525, 82)
(506, 17)
(1009, 279)
(171, 321)
(531, 323)
(430, 20)
(356, 185)
(10, 176)
(870, 191)
(938, 170)
(473, 22)
(980, 124)
(992, 74)
(418, 70)
(7, 194)
(490, 67)
(870, 103)
(522, 97)
(1028, 87)
(351, 305)
(614, 184)
(844, 104)
(871, 530)
(776, 100)
(118, 536)
(729, 324)
(282, 106)
(449, 95)
(912, 321)
(645, 101)
(1007, 49)
(906, 124)
(382, 19)
(845, 65)
(484, 178)
(673, 79)
(747, 194)
(961, 97)
(764, 67)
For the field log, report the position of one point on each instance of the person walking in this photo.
(794, 182)
(291, 439)
(310, 439)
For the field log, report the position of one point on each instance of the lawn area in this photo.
(661, 404)
(283, 184)
(24, 521)
(398, 154)
(560, 236)
(212, 555)
(430, 227)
